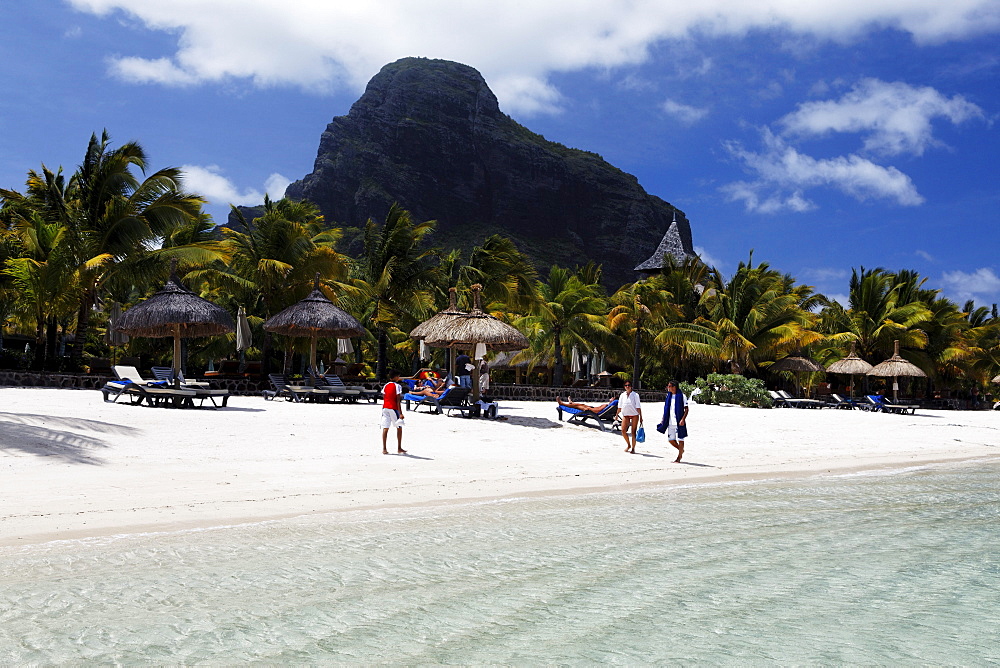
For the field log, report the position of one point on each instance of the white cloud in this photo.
(783, 173)
(708, 258)
(684, 113)
(894, 116)
(924, 254)
(963, 286)
(825, 274)
(220, 191)
(320, 44)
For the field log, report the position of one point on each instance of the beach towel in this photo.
(682, 431)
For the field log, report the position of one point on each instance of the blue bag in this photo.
(640, 436)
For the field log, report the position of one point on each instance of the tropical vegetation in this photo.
(74, 245)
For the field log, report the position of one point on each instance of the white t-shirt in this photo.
(671, 415)
(629, 403)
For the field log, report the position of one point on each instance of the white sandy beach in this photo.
(72, 466)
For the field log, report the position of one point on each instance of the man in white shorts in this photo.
(392, 414)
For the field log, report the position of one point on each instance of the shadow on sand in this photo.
(48, 436)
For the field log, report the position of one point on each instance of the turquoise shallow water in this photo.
(900, 568)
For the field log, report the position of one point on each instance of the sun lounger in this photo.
(335, 381)
(799, 403)
(582, 417)
(152, 396)
(336, 388)
(837, 401)
(297, 393)
(203, 390)
(878, 404)
(453, 397)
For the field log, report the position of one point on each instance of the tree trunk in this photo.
(82, 326)
(51, 336)
(557, 372)
(265, 354)
(636, 347)
(383, 353)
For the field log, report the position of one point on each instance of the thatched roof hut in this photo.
(796, 364)
(476, 327)
(175, 311)
(313, 317)
(851, 365)
(896, 366)
(440, 320)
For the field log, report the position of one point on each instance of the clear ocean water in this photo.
(880, 568)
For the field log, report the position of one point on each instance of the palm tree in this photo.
(394, 277)
(571, 309)
(640, 311)
(273, 259)
(111, 215)
(881, 309)
(756, 316)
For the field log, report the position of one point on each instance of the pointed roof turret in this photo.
(670, 244)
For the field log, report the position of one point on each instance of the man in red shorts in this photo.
(392, 414)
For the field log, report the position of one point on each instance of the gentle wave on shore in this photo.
(887, 568)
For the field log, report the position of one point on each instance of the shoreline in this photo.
(76, 468)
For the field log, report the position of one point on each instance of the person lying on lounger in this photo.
(569, 403)
(430, 388)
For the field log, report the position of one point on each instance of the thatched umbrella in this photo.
(474, 329)
(175, 311)
(438, 321)
(314, 316)
(852, 366)
(894, 367)
(796, 364)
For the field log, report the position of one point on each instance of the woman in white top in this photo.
(630, 412)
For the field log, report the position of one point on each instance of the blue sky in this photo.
(824, 136)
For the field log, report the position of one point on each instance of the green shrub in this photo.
(721, 388)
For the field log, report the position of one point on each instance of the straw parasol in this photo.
(175, 311)
(473, 328)
(797, 364)
(313, 317)
(438, 321)
(894, 367)
(852, 366)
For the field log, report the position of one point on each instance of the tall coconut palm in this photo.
(640, 311)
(571, 310)
(756, 316)
(111, 215)
(881, 309)
(273, 259)
(394, 277)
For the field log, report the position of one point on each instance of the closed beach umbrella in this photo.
(796, 364)
(476, 327)
(894, 367)
(112, 336)
(175, 311)
(852, 366)
(244, 337)
(313, 317)
(574, 363)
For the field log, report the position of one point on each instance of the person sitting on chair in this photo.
(569, 403)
